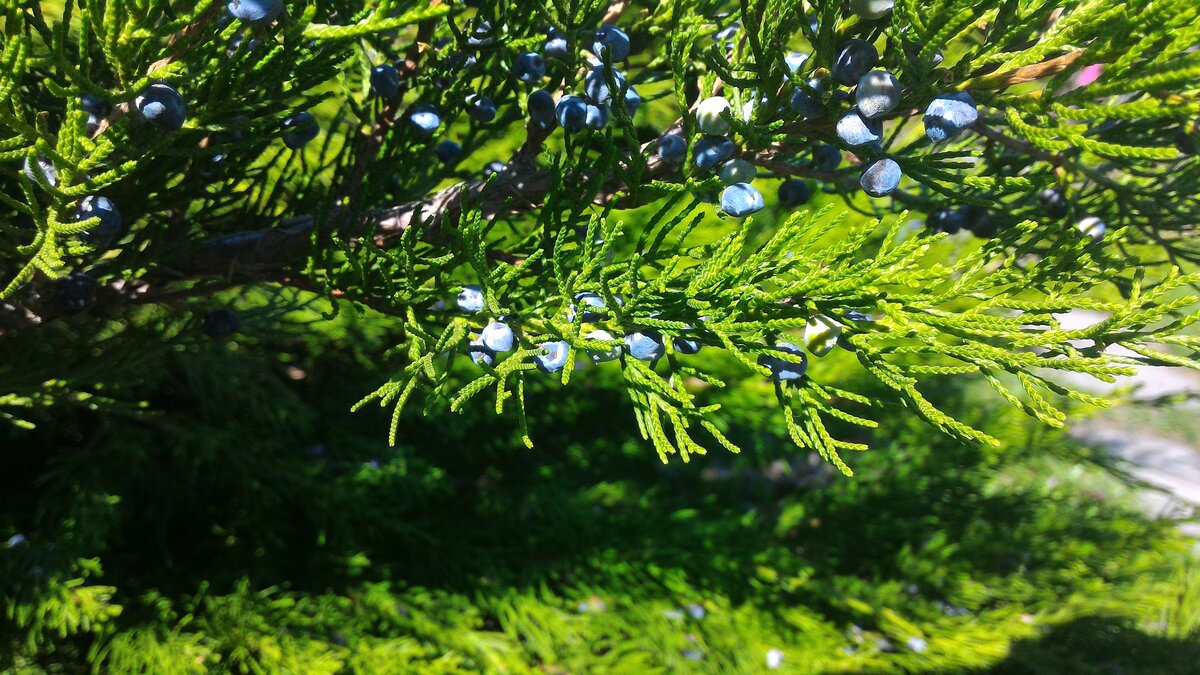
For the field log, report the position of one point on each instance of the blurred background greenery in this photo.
(242, 519)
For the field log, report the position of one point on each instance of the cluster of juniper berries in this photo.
(853, 90)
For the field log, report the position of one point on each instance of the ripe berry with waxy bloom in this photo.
(672, 148)
(385, 81)
(979, 221)
(241, 42)
(597, 117)
(611, 354)
(948, 114)
(529, 67)
(788, 365)
(711, 115)
(480, 354)
(497, 336)
(945, 220)
(595, 84)
(857, 316)
(300, 129)
(572, 113)
(94, 105)
(590, 307)
(794, 192)
(877, 94)
(541, 109)
(255, 11)
(103, 234)
(881, 177)
(826, 157)
(912, 51)
(42, 167)
(855, 58)
(741, 200)
(555, 45)
(552, 356)
(611, 43)
(871, 9)
(686, 346)
(470, 299)
(161, 105)
(481, 34)
(96, 108)
(1053, 202)
(632, 101)
(74, 291)
(736, 171)
(463, 60)
(711, 151)
(854, 130)
(1092, 227)
(749, 107)
(448, 151)
(425, 119)
(806, 104)
(728, 32)
(794, 60)
(481, 108)
(644, 345)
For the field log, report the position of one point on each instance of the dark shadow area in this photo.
(1098, 645)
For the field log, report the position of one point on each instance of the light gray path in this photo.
(1171, 466)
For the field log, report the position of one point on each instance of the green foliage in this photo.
(364, 214)
(232, 535)
(191, 504)
(971, 313)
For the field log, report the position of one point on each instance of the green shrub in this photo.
(161, 152)
(218, 234)
(232, 535)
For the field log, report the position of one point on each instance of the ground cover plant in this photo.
(261, 527)
(711, 226)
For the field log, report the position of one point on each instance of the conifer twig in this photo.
(121, 109)
(1025, 74)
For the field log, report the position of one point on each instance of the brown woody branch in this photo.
(1030, 73)
(1057, 160)
(269, 254)
(615, 10)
